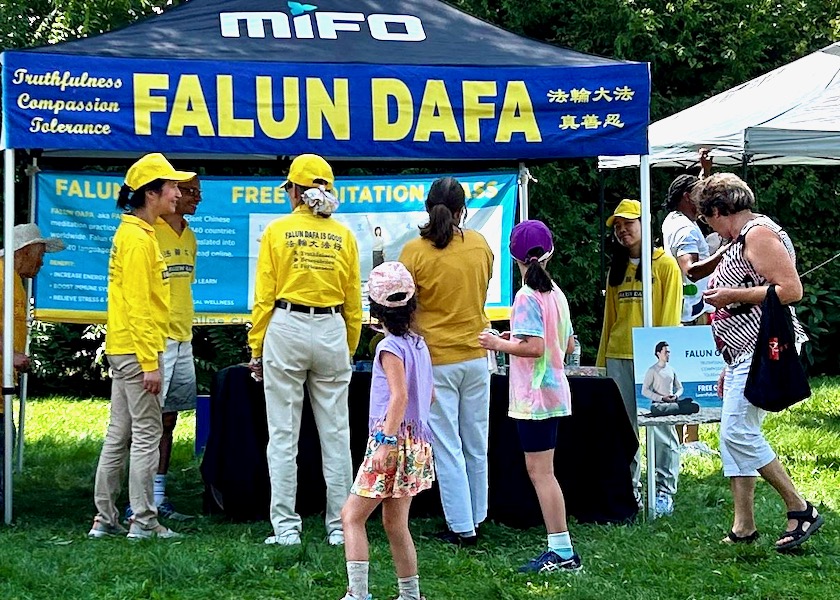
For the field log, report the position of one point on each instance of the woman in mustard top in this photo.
(452, 267)
(623, 312)
(138, 321)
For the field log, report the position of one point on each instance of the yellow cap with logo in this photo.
(626, 209)
(306, 169)
(153, 166)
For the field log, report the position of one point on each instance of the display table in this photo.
(706, 415)
(595, 447)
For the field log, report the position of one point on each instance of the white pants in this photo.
(743, 448)
(312, 349)
(667, 455)
(459, 421)
(179, 386)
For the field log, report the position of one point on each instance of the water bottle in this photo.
(575, 358)
(492, 361)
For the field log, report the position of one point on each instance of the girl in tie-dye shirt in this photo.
(540, 337)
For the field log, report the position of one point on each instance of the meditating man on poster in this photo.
(661, 383)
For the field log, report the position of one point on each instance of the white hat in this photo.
(28, 234)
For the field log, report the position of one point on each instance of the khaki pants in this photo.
(134, 430)
(302, 348)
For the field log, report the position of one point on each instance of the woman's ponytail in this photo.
(446, 199)
(129, 198)
(124, 198)
(439, 229)
(536, 277)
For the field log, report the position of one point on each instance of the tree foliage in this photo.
(696, 48)
(27, 23)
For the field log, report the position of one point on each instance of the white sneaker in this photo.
(101, 530)
(688, 450)
(637, 496)
(664, 505)
(289, 538)
(135, 532)
(336, 538)
(700, 448)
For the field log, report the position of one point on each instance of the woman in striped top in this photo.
(760, 254)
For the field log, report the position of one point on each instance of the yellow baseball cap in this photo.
(627, 209)
(153, 166)
(306, 168)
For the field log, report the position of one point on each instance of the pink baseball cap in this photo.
(527, 236)
(388, 279)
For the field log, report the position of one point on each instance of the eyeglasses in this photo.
(191, 191)
(288, 187)
(703, 219)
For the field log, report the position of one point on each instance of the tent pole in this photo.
(647, 248)
(524, 178)
(647, 306)
(602, 229)
(8, 322)
(31, 172)
(745, 160)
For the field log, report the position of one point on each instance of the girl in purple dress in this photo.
(398, 460)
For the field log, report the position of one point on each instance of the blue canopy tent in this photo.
(348, 79)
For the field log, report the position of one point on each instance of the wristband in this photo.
(388, 440)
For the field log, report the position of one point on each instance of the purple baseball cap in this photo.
(528, 235)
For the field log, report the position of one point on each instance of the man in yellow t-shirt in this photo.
(29, 247)
(307, 319)
(178, 246)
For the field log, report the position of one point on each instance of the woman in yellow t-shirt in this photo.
(138, 322)
(623, 312)
(452, 267)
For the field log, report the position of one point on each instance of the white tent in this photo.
(790, 115)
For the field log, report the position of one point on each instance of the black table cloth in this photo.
(592, 461)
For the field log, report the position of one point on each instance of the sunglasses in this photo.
(191, 191)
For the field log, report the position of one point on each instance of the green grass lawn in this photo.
(46, 555)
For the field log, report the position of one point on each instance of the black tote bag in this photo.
(777, 379)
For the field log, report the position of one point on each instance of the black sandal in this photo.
(734, 538)
(799, 534)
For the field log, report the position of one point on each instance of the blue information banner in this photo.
(382, 212)
(691, 355)
(57, 101)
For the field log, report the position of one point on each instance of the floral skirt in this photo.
(409, 470)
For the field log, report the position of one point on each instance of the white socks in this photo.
(409, 587)
(160, 489)
(561, 543)
(357, 578)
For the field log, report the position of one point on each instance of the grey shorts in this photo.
(179, 388)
